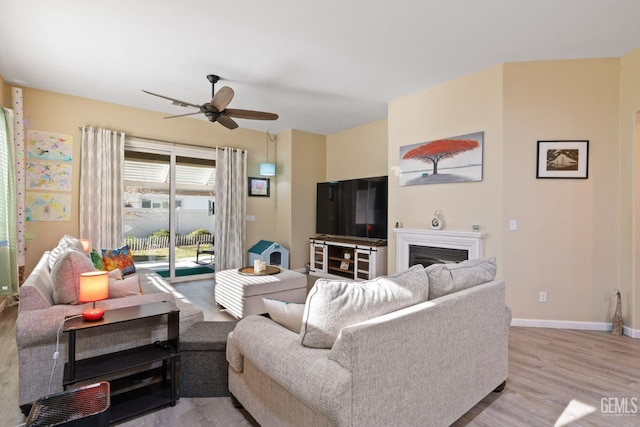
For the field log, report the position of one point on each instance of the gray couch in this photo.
(426, 364)
(39, 320)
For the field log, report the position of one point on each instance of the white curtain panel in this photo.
(101, 188)
(231, 207)
(8, 207)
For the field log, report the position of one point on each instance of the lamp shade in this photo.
(85, 245)
(94, 286)
(267, 169)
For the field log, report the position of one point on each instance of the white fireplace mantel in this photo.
(469, 241)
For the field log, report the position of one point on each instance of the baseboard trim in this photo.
(570, 324)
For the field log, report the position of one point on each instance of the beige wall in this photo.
(470, 104)
(4, 93)
(360, 152)
(630, 183)
(52, 112)
(308, 164)
(568, 230)
(567, 242)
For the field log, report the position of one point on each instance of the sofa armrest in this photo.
(37, 327)
(234, 356)
(306, 373)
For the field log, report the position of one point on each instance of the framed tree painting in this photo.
(453, 159)
(563, 159)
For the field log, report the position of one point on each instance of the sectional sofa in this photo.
(358, 357)
(40, 318)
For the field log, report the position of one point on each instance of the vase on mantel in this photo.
(617, 316)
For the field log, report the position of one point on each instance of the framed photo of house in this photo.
(563, 159)
(259, 187)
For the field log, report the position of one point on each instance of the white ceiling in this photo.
(323, 66)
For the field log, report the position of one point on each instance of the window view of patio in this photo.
(148, 225)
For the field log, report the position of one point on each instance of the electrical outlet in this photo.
(543, 296)
(513, 225)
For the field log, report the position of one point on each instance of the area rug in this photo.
(187, 271)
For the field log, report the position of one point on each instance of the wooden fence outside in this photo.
(152, 242)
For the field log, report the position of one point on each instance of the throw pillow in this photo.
(332, 304)
(115, 274)
(96, 258)
(66, 275)
(66, 242)
(124, 287)
(448, 278)
(287, 314)
(121, 258)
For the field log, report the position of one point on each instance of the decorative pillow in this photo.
(65, 275)
(333, 304)
(96, 258)
(66, 242)
(121, 258)
(287, 314)
(124, 287)
(448, 278)
(115, 274)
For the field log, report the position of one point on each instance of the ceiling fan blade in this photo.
(222, 98)
(175, 101)
(181, 115)
(249, 114)
(227, 122)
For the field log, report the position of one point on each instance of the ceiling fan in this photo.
(216, 110)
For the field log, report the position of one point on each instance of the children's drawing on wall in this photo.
(455, 159)
(49, 146)
(48, 206)
(48, 176)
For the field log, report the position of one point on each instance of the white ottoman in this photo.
(242, 294)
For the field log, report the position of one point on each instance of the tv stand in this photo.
(342, 257)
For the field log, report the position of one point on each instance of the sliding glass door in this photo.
(169, 208)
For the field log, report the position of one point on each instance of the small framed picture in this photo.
(259, 187)
(563, 159)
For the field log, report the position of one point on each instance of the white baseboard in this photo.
(570, 324)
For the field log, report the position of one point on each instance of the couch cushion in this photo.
(287, 314)
(126, 287)
(332, 304)
(121, 258)
(66, 242)
(448, 278)
(66, 275)
(114, 274)
(37, 291)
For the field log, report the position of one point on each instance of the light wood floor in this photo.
(556, 378)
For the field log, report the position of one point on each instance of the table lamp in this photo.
(85, 245)
(94, 286)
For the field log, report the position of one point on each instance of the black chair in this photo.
(210, 251)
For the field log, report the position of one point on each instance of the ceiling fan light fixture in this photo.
(216, 109)
(267, 169)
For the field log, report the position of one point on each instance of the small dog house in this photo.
(270, 252)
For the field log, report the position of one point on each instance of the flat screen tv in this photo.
(353, 208)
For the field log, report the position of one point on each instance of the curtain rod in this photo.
(144, 138)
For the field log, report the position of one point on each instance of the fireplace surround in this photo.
(454, 244)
